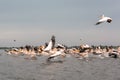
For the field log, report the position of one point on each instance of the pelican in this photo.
(104, 19)
(57, 53)
(61, 46)
(50, 44)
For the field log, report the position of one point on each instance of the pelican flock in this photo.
(52, 51)
(104, 19)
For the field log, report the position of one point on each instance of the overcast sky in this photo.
(33, 22)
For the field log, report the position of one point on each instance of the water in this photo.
(18, 68)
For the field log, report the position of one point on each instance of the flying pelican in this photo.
(104, 19)
(50, 44)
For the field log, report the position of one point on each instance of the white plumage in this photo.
(57, 53)
(50, 44)
(49, 47)
(104, 19)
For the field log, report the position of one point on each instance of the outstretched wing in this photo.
(49, 47)
(98, 23)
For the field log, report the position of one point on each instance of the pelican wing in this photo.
(49, 47)
(98, 23)
(101, 20)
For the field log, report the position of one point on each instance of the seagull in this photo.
(104, 19)
(50, 44)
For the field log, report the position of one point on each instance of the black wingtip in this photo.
(97, 23)
(109, 20)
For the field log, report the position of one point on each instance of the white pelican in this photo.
(50, 44)
(61, 46)
(57, 53)
(104, 19)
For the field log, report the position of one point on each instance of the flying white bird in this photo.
(104, 19)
